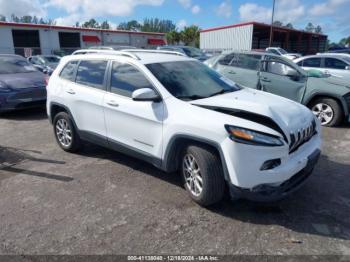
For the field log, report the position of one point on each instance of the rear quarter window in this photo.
(68, 71)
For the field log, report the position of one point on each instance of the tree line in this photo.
(309, 27)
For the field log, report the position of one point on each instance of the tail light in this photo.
(46, 79)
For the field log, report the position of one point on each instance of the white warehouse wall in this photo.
(6, 41)
(234, 38)
(49, 41)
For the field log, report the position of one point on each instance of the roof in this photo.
(55, 27)
(257, 24)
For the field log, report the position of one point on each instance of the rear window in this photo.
(14, 65)
(91, 73)
(312, 62)
(69, 70)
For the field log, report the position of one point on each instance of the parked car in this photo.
(337, 65)
(21, 84)
(45, 63)
(189, 51)
(178, 114)
(328, 97)
(340, 51)
(281, 52)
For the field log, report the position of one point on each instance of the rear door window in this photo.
(226, 60)
(92, 73)
(247, 61)
(334, 63)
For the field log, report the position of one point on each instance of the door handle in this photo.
(113, 103)
(265, 80)
(231, 72)
(71, 91)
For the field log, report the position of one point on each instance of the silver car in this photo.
(337, 65)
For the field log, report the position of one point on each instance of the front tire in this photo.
(202, 175)
(65, 133)
(328, 111)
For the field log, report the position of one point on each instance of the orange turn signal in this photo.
(241, 134)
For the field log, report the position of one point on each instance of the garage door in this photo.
(69, 40)
(26, 39)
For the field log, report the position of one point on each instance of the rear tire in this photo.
(65, 133)
(328, 111)
(202, 174)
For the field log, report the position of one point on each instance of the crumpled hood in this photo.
(288, 114)
(23, 80)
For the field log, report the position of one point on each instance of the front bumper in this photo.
(28, 98)
(269, 192)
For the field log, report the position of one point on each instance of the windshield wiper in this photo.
(191, 97)
(222, 91)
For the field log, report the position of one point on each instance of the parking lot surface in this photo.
(101, 202)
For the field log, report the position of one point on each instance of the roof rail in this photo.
(153, 51)
(104, 52)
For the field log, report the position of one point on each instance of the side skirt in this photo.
(119, 147)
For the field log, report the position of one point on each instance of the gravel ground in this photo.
(101, 202)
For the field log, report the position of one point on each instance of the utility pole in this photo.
(271, 27)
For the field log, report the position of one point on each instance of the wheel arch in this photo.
(339, 99)
(56, 108)
(179, 142)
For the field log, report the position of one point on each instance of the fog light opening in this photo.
(270, 164)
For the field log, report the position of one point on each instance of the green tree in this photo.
(173, 37)
(310, 27)
(190, 35)
(318, 29)
(157, 25)
(277, 23)
(105, 25)
(345, 41)
(92, 23)
(2, 18)
(132, 25)
(289, 25)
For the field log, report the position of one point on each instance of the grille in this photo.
(301, 136)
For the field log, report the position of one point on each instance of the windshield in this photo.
(51, 59)
(282, 51)
(193, 52)
(189, 80)
(13, 65)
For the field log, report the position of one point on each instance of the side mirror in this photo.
(145, 94)
(293, 74)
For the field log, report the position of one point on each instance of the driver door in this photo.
(280, 78)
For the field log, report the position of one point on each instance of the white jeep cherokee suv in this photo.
(179, 114)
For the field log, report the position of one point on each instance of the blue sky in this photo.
(332, 15)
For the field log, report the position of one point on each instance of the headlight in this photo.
(251, 137)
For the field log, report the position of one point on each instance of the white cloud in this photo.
(224, 9)
(196, 9)
(181, 24)
(286, 11)
(254, 12)
(327, 8)
(85, 9)
(21, 8)
(185, 3)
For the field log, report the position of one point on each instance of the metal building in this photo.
(254, 35)
(27, 39)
